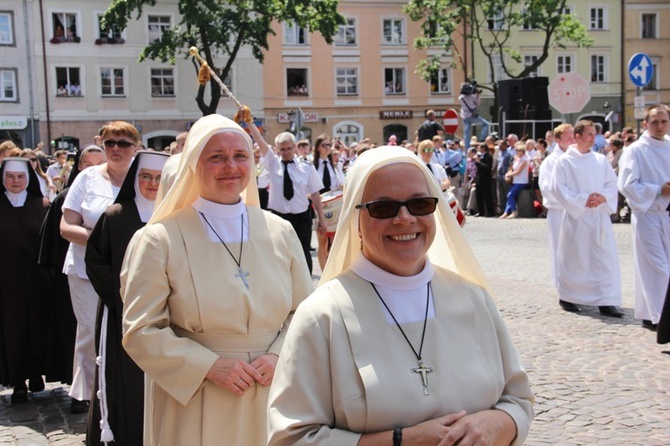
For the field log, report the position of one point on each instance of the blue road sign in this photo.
(640, 69)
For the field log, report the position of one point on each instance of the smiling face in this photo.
(148, 181)
(224, 167)
(16, 182)
(397, 245)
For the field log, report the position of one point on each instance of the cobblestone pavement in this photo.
(597, 380)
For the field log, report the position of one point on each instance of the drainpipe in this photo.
(624, 68)
(46, 78)
(30, 74)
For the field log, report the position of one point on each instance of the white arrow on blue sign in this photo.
(640, 69)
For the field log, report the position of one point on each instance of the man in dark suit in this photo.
(484, 162)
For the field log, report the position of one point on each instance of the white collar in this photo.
(17, 200)
(374, 274)
(219, 210)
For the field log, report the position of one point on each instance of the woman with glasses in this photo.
(401, 343)
(426, 150)
(89, 195)
(332, 179)
(46, 184)
(118, 409)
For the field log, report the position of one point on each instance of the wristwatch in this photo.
(397, 436)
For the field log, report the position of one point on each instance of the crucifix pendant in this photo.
(243, 276)
(423, 371)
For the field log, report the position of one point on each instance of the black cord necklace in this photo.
(422, 370)
(241, 274)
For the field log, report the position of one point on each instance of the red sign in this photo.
(569, 93)
(450, 121)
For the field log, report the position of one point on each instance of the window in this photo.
(597, 68)
(653, 83)
(567, 10)
(648, 26)
(8, 85)
(109, 35)
(564, 64)
(6, 30)
(528, 25)
(394, 81)
(346, 80)
(393, 32)
(162, 82)
(346, 34)
(111, 82)
(294, 35)
(158, 24)
(296, 82)
(441, 84)
(530, 59)
(64, 27)
(598, 19)
(498, 73)
(495, 22)
(68, 81)
(349, 132)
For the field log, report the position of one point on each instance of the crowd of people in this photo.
(178, 284)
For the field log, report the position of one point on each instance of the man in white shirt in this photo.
(60, 170)
(587, 268)
(292, 184)
(644, 179)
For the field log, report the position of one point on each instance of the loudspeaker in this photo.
(510, 97)
(534, 93)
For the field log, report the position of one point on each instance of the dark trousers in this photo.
(302, 224)
(484, 198)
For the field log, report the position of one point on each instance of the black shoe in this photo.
(568, 306)
(36, 384)
(20, 394)
(77, 406)
(610, 310)
(649, 325)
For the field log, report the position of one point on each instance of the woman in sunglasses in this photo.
(91, 192)
(402, 341)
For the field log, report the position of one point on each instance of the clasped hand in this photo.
(238, 376)
(595, 200)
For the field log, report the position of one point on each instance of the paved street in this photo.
(597, 381)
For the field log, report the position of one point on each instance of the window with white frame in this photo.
(346, 81)
(441, 83)
(598, 18)
(346, 34)
(498, 73)
(527, 24)
(598, 67)
(110, 34)
(6, 28)
(394, 81)
(158, 24)
(162, 82)
(496, 21)
(296, 82)
(294, 34)
(653, 83)
(64, 27)
(348, 132)
(564, 63)
(649, 25)
(393, 32)
(68, 81)
(8, 87)
(111, 82)
(568, 10)
(530, 59)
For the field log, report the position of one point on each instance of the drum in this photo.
(332, 206)
(455, 207)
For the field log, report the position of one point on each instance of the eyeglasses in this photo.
(383, 209)
(32, 160)
(326, 145)
(121, 143)
(428, 150)
(149, 178)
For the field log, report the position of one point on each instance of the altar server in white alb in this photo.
(644, 179)
(587, 265)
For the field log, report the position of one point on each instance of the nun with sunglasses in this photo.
(402, 342)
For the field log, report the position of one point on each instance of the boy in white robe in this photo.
(587, 265)
(644, 179)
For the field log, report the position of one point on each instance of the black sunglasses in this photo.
(389, 209)
(121, 144)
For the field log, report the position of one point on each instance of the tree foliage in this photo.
(491, 24)
(220, 28)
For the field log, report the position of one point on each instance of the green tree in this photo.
(490, 24)
(222, 28)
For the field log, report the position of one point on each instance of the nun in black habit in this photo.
(23, 284)
(117, 414)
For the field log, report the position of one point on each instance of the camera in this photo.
(470, 87)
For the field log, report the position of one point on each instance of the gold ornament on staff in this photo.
(206, 72)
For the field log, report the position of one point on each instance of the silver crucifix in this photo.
(424, 371)
(243, 276)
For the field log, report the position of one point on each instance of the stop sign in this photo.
(450, 121)
(569, 93)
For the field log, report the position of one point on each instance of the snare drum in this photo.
(332, 206)
(455, 207)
